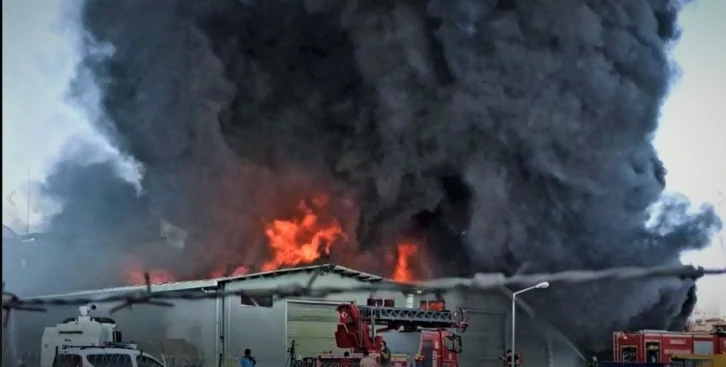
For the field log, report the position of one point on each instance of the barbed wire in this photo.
(479, 282)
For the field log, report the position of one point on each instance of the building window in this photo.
(257, 301)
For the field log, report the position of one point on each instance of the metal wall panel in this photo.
(265, 330)
(564, 354)
(483, 342)
(531, 343)
(489, 333)
(261, 329)
(312, 326)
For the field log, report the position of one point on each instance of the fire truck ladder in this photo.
(412, 317)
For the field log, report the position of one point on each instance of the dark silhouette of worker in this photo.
(385, 355)
(248, 360)
(507, 359)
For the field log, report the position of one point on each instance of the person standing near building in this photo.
(385, 355)
(248, 360)
(367, 361)
(507, 359)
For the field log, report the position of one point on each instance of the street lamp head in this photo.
(542, 285)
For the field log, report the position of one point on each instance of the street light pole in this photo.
(542, 285)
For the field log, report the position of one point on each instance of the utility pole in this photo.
(542, 285)
(27, 215)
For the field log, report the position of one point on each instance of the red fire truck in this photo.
(661, 346)
(416, 337)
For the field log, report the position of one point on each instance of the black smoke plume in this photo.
(516, 133)
(82, 246)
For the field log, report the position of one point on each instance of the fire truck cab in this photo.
(661, 346)
(416, 337)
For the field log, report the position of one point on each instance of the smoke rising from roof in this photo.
(517, 133)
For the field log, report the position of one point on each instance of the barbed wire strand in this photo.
(17, 303)
(479, 282)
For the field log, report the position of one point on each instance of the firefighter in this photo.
(385, 355)
(507, 359)
(592, 362)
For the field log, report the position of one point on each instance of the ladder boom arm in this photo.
(395, 317)
(354, 332)
(423, 318)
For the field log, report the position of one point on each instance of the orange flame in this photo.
(403, 272)
(240, 270)
(221, 273)
(295, 242)
(300, 240)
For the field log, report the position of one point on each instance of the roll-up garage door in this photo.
(483, 341)
(312, 326)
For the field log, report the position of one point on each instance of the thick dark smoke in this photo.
(103, 217)
(517, 134)
(93, 199)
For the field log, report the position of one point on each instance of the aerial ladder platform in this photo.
(412, 317)
(356, 328)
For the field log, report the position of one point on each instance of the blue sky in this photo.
(38, 61)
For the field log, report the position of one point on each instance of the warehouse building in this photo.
(209, 332)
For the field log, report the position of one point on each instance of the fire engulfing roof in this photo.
(329, 268)
(214, 283)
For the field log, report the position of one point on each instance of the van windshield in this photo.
(110, 360)
(67, 360)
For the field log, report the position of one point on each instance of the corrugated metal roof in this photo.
(8, 232)
(213, 283)
(331, 268)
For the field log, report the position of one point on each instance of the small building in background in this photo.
(215, 332)
(8, 234)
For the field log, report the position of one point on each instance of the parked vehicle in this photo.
(114, 355)
(416, 337)
(658, 346)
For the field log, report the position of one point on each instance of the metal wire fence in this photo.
(149, 295)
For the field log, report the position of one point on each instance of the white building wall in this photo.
(220, 329)
(537, 343)
(264, 330)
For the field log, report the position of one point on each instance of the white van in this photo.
(83, 330)
(112, 356)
